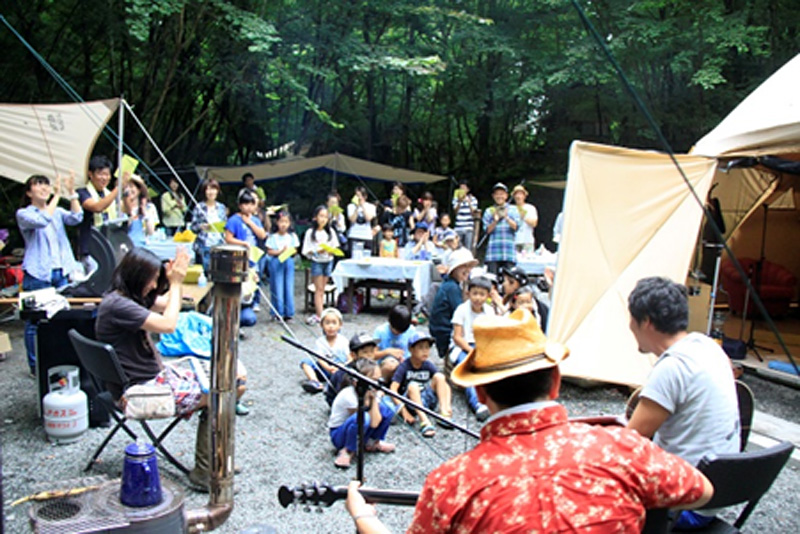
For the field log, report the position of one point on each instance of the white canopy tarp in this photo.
(628, 215)
(333, 162)
(767, 122)
(50, 138)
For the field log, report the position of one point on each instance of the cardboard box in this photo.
(5, 343)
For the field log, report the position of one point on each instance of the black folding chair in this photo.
(745, 398)
(737, 478)
(103, 365)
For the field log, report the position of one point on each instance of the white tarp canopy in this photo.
(628, 215)
(50, 138)
(767, 122)
(336, 162)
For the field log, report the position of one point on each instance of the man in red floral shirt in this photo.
(533, 470)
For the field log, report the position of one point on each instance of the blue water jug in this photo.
(141, 485)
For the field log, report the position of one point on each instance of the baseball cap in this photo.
(361, 340)
(499, 185)
(419, 337)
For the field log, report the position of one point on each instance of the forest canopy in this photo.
(483, 89)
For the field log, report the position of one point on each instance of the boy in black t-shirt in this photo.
(423, 383)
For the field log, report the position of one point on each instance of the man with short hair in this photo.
(688, 405)
(98, 203)
(533, 470)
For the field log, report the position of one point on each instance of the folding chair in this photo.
(330, 292)
(103, 365)
(737, 478)
(744, 395)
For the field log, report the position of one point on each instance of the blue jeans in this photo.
(690, 520)
(247, 317)
(281, 286)
(469, 392)
(29, 283)
(346, 435)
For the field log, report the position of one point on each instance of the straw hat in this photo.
(505, 347)
(519, 188)
(461, 257)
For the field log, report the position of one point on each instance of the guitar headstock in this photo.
(311, 494)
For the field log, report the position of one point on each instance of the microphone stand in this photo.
(363, 383)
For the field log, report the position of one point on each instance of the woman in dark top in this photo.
(144, 298)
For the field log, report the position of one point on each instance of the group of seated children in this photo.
(398, 355)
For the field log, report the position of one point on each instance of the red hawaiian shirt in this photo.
(535, 472)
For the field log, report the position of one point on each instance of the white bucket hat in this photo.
(461, 257)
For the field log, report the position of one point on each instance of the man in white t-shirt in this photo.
(688, 405)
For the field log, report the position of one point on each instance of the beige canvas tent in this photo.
(336, 162)
(628, 214)
(766, 123)
(50, 138)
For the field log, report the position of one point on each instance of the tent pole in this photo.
(120, 143)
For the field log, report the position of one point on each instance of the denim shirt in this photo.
(46, 243)
(206, 239)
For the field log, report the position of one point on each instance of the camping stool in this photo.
(330, 292)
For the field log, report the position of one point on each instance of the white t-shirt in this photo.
(464, 316)
(343, 406)
(524, 233)
(693, 381)
(339, 351)
(363, 230)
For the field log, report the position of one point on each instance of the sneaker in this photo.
(287, 319)
(256, 308)
(482, 413)
(343, 459)
(314, 319)
(242, 409)
(312, 386)
(380, 446)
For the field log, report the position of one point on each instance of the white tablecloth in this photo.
(537, 263)
(419, 272)
(165, 250)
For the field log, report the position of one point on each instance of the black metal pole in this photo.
(361, 394)
(380, 387)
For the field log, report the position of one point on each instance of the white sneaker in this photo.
(314, 319)
(256, 308)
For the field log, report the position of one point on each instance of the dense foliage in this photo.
(485, 89)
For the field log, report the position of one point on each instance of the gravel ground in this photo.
(284, 441)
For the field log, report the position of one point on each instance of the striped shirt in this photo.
(464, 208)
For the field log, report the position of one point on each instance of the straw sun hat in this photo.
(505, 347)
(460, 257)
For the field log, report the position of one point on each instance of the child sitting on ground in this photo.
(343, 421)
(478, 290)
(392, 338)
(420, 248)
(362, 346)
(331, 344)
(525, 297)
(420, 381)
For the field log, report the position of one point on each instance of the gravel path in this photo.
(284, 441)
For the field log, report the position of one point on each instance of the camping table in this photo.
(196, 296)
(536, 264)
(383, 273)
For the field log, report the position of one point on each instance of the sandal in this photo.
(427, 430)
(443, 424)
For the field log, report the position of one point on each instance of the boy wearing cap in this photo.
(343, 422)
(332, 344)
(500, 223)
(362, 347)
(524, 240)
(420, 380)
(421, 247)
(478, 290)
(571, 477)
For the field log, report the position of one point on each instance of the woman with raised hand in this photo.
(48, 255)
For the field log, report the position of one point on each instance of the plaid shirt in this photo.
(534, 472)
(501, 240)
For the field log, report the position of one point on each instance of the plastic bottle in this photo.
(202, 281)
(718, 327)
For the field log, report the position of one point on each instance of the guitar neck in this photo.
(379, 496)
(324, 495)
